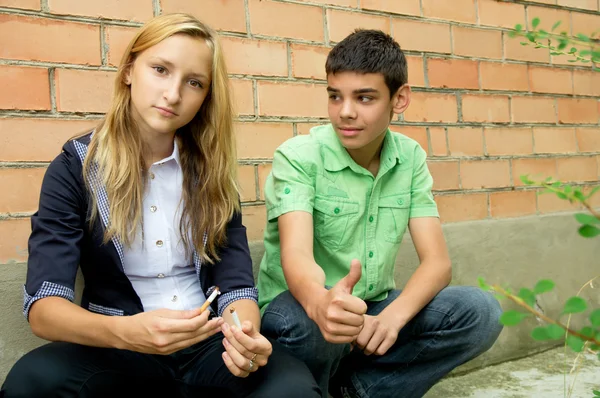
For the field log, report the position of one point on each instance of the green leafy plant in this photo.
(582, 48)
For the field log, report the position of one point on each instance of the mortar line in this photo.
(52, 84)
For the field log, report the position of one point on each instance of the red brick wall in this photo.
(485, 108)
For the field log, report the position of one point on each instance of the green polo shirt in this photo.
(355, 215)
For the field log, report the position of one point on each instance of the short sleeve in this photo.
(291, 185)
(57, 229)
(422, 203)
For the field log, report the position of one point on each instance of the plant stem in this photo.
(521, 303)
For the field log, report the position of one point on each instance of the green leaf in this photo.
(518, 27)
(524, 43)
(596, 393)
(579, 195)
(555, 53)
(596, 189)
(531, 36)
(575, 343)
(543, 286)
(585, 53)
(540, 334)
(535, 22)
(562, 195)
(584, 218)
(555, 332)
(595, 318)
(483, 285)
(512, 318)
(587, 332)
(528, 296)
(583, 37)
(562, 44)
(556, 25)
(557, 184)
(525, 180)
(573, 50)
(589, 231)
(571, 60)
(574, 305)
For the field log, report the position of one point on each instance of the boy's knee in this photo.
(485, 311)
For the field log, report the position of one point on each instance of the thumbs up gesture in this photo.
(338, 313)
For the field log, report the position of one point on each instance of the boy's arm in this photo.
(338, 314)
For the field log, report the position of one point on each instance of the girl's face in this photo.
(169, 83)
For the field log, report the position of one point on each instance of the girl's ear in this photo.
(127, 75)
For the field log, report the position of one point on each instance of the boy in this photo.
(338, 204)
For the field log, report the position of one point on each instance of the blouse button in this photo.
(174, 299)
(159, 243)
(153, 209)
(160, 276)
(152, 176)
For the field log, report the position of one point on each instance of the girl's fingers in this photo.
(236, 371)
(238, 359)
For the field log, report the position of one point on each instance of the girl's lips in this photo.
(165, 112)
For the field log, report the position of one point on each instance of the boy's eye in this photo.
(363, 98)
(159, 69)
(334, 97)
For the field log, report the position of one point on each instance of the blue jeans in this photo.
(456, 326)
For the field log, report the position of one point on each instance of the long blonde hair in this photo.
(206, 146)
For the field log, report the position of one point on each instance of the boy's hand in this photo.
(338, 313)
(378, 334)
(244, 346)
(165, 331)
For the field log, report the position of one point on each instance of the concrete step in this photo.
(549, 374)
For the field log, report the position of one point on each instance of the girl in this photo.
(147, 205)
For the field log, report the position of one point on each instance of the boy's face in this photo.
(360, 107)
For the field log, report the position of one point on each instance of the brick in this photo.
(260, 140)
(229, 15)
(304, 128)
(550, 80)
(243, 96)
(548, 16)
(577, 169)
(117, 40)
(247, 182)
(533, 109)
(445, 175)
(464, 207)
(500, 14)
(585, 23)
(24, 88)
(341, 23)
(418, 134)
(544, 1)
(465, 141)
(255, 57)
(420, 36)
(341, 3)
(537, 169)
(55, 41)
(37, 139)
(416, 73)
(21, 189)
(508, 141)
(550, 203)
(309, 61)
(437, 139)
(586, 83)
(22, 4)
(131, 10)
(13, 245)
(254, 218)
(263, 172)
(309, 100)
(565, 60)
(457, 10)
(514, 50)
(477, 42)
(485, 108)
(594, 201)
(588, 140)
(432, 107)
(501, 76)
(512, 204)
(554, 140)
(453, 73)
(83, 90)
(583, 4)
(576, 110)
(287, 20)
(476, 174)
(407, 7)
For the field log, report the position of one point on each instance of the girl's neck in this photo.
(157, 147)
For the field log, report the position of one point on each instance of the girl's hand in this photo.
(246, 350)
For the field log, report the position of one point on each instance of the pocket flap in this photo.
(335, 208)
(400, 201)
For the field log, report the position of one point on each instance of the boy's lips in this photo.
(349, 131)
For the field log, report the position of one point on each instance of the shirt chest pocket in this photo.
(393, 216)
(332, 219)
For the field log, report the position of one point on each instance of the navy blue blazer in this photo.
(61, 241)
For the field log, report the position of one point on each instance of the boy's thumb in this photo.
(350, 280)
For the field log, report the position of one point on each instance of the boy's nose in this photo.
(348, 111)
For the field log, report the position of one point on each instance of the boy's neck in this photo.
(368, 156)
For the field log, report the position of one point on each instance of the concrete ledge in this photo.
(514, 252)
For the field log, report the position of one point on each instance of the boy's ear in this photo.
(401, 99)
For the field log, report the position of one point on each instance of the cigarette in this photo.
(234, 315)
(210, 299)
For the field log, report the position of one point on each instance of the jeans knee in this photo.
(486, 310)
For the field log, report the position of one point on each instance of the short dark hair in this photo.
(370, 51)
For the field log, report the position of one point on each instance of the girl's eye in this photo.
(159, 69)
(195, 83)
